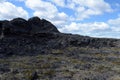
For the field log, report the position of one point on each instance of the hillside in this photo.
(34, 49)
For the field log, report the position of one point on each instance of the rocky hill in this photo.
(36, 35)
(55, 55)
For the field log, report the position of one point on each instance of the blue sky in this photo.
(96, 18)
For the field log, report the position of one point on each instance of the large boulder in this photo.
(48, 26)
(35, 24)
(34, 20)
(20, 25)
(41, 26)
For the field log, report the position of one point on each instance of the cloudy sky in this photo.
(97, 18)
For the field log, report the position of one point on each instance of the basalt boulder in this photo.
(20, 25)
(31, 26)
(41, 26)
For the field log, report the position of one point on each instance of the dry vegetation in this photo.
(71, 63)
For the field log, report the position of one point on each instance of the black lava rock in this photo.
(20, 25)
(35, 35)
(41, 26)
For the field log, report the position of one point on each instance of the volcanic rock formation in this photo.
(33, 26)
(35, 35)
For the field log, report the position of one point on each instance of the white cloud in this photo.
(60, 3)
(83, 8)
(110, 28)
(100, 5)
(86, 9)
(115, 24)
(84, 27)
(47, 10)
(72, 27)
(60, 19)
(2, 0)
(41, 5)
(9, 11)
(20, 0)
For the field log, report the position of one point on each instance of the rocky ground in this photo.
(34, 49)
(71, 63)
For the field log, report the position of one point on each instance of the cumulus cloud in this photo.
(84, 27)
(115, 24)
(2, 0)
(110, 28)
(47, 10)
(9, 11)
(83, 8)
(60, 3)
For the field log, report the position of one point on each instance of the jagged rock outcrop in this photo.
(41, 26)
(35, 35)
(21, 26)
